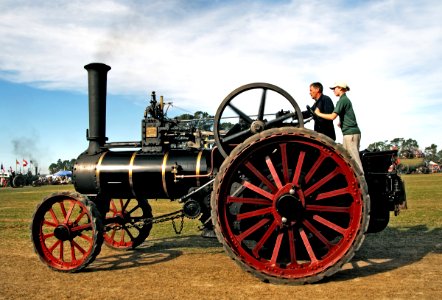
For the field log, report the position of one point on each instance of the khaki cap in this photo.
(341, 84)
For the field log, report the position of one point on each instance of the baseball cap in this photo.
(340, 84)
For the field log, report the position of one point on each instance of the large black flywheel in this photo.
(250, 109)
(290, 206)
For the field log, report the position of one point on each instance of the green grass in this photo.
(424, 197)
(17, 206)
(412, 162)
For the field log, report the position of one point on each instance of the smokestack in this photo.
(97, 82)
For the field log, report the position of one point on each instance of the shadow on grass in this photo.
(381, 252)
(154, 251)
(391, 249)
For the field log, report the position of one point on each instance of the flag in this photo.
(17, 162)
(25, 162)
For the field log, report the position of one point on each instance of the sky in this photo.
(195, 53)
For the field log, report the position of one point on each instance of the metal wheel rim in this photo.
(321, 255)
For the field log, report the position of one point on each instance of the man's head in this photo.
(340, 88)
(316, 89)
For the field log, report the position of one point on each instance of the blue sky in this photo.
(196, 52)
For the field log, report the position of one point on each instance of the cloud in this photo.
(195, 53)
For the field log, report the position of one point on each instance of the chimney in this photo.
(97, 82)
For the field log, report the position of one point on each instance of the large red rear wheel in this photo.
(290, 206)
(66, 231)
(126, 231)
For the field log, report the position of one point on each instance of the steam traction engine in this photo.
(288, 204)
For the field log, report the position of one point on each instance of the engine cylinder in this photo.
(128, 174)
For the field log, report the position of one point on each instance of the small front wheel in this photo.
(66, 231)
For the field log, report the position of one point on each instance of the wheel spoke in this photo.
(255, 213)
(229, 138)
(334, 193)
(129, 233)
(315, 167)
(337, 209)
(316, 232)
(81, 227)
(113, 234)
(329, 224)
(231, 199)
(276, 248)
(54, 217)
(280, 119)
(73, 256)
(292, 246)
(252, 229)
(299, 164)
(307, 246)
(78, 247)
(61, 252)
(113, 208)
(321, 182)
(264, 238)
(55, 245)
(126, 204)
(80, 215)
(258, 190)
(123, 234)
(285, 167)
(50, 223)
(262, 105)
(47, 236)
(240, 113)
(63, 209)
(273, 172)
(133, 209)
(86, 237)
(261, 177)
(68, 215)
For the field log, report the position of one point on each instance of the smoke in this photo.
(27, 148)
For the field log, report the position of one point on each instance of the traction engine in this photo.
(288, 204)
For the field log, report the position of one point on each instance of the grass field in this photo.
(404, 261)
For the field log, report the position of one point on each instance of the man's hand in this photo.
(310, 110)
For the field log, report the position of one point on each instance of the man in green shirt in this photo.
(347, 121)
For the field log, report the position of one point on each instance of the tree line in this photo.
(61, 165)
(408, 148)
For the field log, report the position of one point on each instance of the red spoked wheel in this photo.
(67, 231)
(125, 230)
(290, 206)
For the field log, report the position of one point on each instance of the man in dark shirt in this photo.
(325, 104)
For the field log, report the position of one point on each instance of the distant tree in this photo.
(61, 165)
(381, 146)
(397, 142)
(439, 156)
(431, 153)
(185, 117)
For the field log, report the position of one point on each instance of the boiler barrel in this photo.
(128, 174)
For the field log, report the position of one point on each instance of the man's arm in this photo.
(331, 116)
